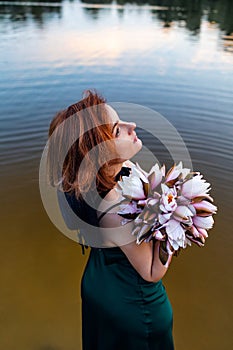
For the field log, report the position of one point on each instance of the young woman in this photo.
(124, 302)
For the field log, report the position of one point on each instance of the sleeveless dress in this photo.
(120, 310)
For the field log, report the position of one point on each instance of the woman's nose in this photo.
(132, 126)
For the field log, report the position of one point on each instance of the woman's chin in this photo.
(139, 144)
(137, 147)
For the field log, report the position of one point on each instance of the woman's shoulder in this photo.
(111, 199)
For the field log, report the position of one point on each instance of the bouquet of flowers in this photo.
(173, 207)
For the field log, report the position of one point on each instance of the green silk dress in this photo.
(120, 310)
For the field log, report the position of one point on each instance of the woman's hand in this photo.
(165, 255)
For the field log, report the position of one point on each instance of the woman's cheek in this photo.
(124, 148)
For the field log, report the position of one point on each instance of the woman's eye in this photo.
(117, 132)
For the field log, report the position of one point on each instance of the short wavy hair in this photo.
(89, 114)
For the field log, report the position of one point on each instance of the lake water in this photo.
(177, 60)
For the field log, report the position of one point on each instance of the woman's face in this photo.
(126, 140)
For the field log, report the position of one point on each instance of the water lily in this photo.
(203, 222)
(174, 172)
(195, 187)
(132, 187)
(192, 209)
(176, 234)
(203, 232)
(175, 208)
(182, 213)
(184, 173)
(155, 176)
(168, 200)
(204, 208)
(204, 196)
(139, 172)
(195, 232)
(135, 186)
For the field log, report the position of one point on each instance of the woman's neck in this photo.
(117, 168)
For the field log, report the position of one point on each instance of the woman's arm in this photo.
(144, 257)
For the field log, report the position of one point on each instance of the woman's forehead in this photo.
(112, 114)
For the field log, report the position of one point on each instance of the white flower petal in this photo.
(174, 172)
(175, 231)
(192, 209)
(203, 222)
(182, 213)
(194, 187)
(184, 172)
(165, 188)
(132, 187)
(138, 172)
(155, 176)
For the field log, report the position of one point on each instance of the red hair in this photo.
(94, 127)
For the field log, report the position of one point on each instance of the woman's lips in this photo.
(135, 139)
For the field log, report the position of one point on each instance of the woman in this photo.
(124, 303)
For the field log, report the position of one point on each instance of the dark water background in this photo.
(175, 60)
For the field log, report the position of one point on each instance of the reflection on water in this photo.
(176, 59)
(186, 13)
(25, 13)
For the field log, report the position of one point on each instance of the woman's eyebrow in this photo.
(115, 124)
